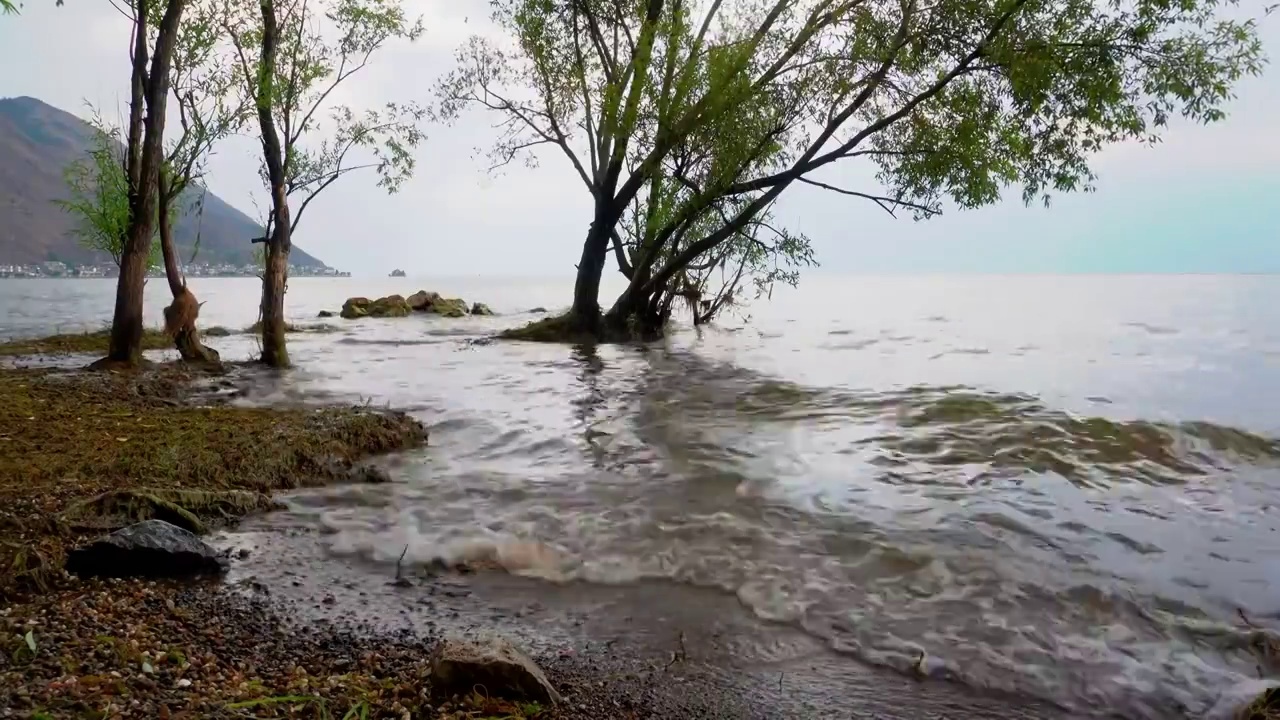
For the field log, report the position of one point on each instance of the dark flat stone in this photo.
(152, 548)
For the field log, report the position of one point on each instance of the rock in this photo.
(389, 306)
(325, 313)
(538, 310)
(117, 509)
(368, 473)
(397, 273)
(421, 300)
(481, 309)
(355, 307)
(449, 307)
(217, 331)
(458, 666)
(152, 548)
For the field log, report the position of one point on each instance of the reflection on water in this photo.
(1057, 487)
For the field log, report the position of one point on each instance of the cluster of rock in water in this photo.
(422, 301)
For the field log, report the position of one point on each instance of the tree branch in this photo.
(887, 204)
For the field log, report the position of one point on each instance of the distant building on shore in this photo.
(55, 269)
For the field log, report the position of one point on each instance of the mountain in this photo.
(37, 143)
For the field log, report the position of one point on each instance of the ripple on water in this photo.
(842, 513)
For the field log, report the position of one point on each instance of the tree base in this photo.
(569, 330)
(193, 351)
(108, 364)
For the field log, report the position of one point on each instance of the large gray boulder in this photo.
(152, 548)
(458, 666)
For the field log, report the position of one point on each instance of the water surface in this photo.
(1062, 488)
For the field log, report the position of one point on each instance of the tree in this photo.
(209, 110)
(98, 186)
(291, 56)
(144, 155)
(727, 104)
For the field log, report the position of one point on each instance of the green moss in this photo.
(118, 508)
(555, 329)
(86, 450)
(193, 510)
(565, 329)
(1264, 707)
(95, 343)
(448, 307)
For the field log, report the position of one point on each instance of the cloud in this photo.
(453, 218)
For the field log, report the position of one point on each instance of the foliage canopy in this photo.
(686, 119)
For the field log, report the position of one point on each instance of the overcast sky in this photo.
(1203, 201)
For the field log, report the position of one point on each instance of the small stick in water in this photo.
(401, 581)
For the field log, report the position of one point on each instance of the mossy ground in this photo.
(82, 452)
(70, 437)
(94, 342)
(566, 329)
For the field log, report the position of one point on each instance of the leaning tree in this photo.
(210, 109)
(699, 114)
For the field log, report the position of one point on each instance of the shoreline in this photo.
(252, 631)
(202, 648)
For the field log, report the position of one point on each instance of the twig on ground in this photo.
(401, 580)
(677, 655)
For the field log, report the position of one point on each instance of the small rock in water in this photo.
(457, 666)
(368, 473)
(538, 310)
(152, 548)
(481, 309)
(325, 313)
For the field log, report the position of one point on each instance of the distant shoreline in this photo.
(113, 277)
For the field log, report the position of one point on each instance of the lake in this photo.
(1063, 488)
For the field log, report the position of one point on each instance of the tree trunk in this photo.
(275, 277)
(126, 325)
(585, 313)
(180, 316)
(274, 282)
(125, 347)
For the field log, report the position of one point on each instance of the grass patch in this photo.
(564, 329)
(95, 343)
(84, 452)
(555, 329)
(1266, 706)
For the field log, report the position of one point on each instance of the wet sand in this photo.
(646, 649)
